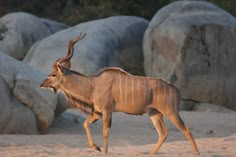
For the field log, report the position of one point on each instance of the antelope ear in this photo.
(58, 67)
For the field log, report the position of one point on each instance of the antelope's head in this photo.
(56, 76)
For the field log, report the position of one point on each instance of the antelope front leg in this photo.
(91, 119)
(106, 128)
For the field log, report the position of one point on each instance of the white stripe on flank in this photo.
(132, 91)
(148, 100)
(170, 95)
(138, 88)
(125, 92)
(158, 86)
(121, 100)
(164, 94)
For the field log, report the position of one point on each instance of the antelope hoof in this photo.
(153, 152)
(96, 147)
(104, 151)
(196, 153)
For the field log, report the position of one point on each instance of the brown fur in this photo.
(115, 90)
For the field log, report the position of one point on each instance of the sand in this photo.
(215, 135)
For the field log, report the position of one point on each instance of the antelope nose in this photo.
(42, 85)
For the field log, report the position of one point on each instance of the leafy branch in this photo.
(3, 30)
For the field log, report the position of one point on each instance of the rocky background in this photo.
(189, 43)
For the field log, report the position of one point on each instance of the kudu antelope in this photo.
(114, 90)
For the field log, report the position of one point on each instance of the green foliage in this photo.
(228, 5)
(3, 31)
(76, 11)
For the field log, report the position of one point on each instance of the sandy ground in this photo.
(215, 134)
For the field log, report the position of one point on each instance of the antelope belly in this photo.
(133, 103)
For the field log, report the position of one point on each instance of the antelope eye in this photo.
(53, 75)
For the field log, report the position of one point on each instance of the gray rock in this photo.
(24, 107)
(23, 31)
(189, 105)
(205, 107)
(14, 116)
(69, 121)
(114, 41)
(192, 44)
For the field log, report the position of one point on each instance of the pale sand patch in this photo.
(215, 135)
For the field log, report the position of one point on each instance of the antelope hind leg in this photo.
(157, 120)
(178, 122)
(91, 119)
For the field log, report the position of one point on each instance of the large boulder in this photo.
(114, 41)
(24, 107)
(192, 44)
(14, 116)
(23, 30)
